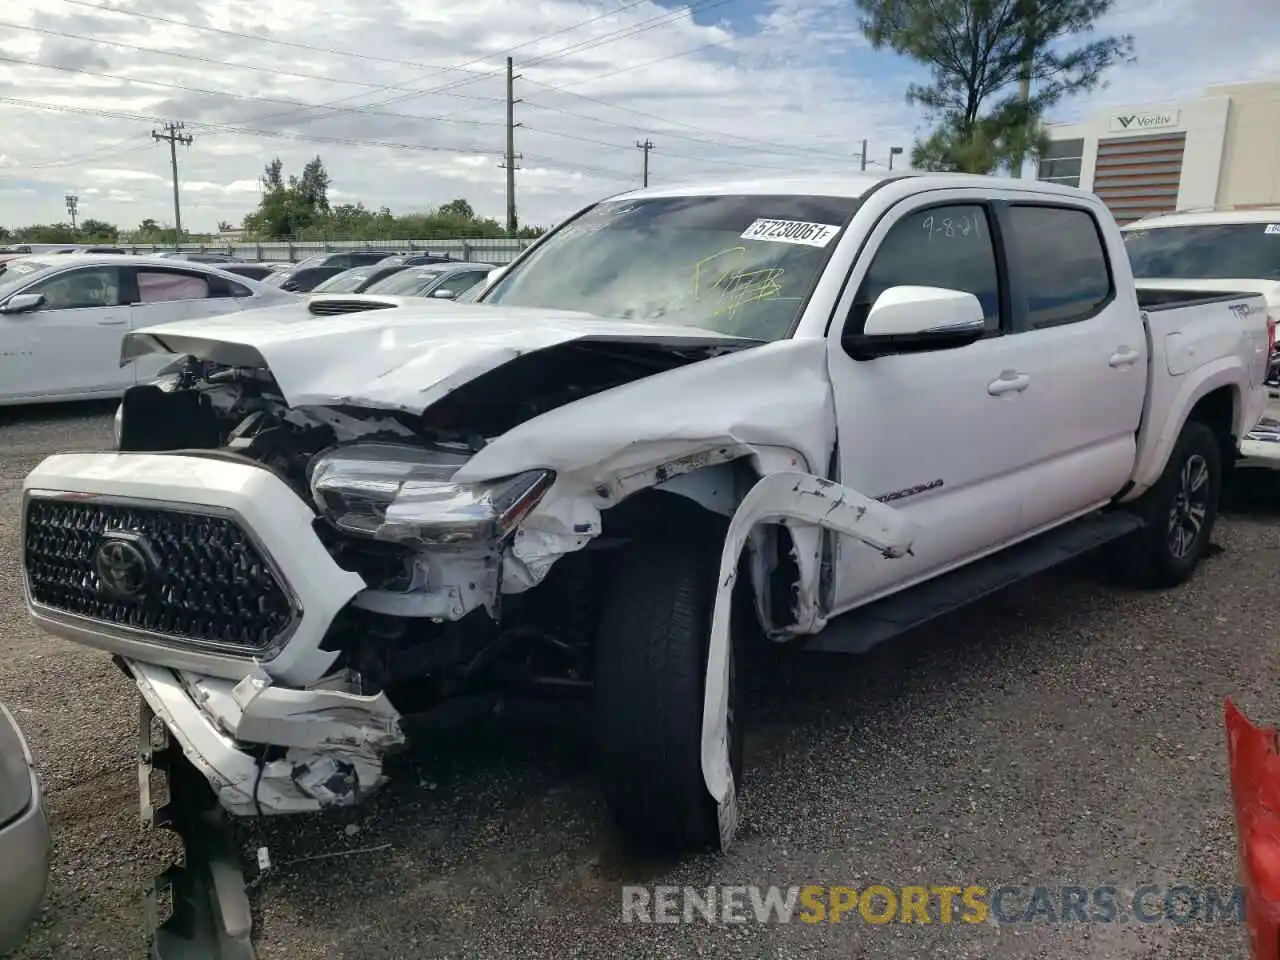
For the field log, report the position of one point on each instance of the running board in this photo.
(859, 630)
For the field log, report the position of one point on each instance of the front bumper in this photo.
(272, 731)
(331, 742)
(24, 861)
(258, 501)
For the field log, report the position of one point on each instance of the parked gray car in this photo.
(24, 836)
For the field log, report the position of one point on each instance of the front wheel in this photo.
(1180, 511)
(650, 678)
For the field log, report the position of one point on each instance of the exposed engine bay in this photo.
(437, 617)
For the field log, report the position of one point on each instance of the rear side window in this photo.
(1205, 251)
(947, 247)
(1058, 257)
(222, 287)
(160, 286)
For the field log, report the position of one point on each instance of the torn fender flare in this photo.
(806, 499)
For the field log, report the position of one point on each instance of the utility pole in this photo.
(894, 152)
(511, 155)
(173, 135)
(864, 155)
(1027, 9)
(73, 204)
(646, 147)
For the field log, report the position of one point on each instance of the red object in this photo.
(1253, 754)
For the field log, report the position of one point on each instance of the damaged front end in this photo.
(308, 534)
(286, 568)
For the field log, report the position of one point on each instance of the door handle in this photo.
(112, 323)
(1124, 357)
(1010, 382)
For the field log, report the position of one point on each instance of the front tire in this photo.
(1180, 511)
(650, 673)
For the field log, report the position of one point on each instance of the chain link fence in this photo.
(492, 250)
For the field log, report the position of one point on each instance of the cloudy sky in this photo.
(404, 99)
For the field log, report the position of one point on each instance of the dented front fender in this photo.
(788, 497)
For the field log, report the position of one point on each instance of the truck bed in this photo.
(1165, 298)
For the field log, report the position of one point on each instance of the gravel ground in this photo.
(1065, 732)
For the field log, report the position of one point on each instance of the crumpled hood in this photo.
(404, 358)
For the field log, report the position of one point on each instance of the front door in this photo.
(70, 344)
(940, 435)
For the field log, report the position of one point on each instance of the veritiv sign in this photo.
(1134, 122)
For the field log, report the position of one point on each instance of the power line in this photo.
(331, 51)
(683, 156)
(102, 151)
(595, 77)
(762, 146)
(434, 68)
(226, 94)
(623, 33)
(247, 131)
(274, 71)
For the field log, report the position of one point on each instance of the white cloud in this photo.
(791, 88)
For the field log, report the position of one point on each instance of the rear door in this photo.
(164, 294)
(70, 345)
(1085, 357)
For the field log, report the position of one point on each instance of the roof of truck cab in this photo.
(852, 185)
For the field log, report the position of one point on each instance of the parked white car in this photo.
(63, 317)
(1221, 248)
(888, 396)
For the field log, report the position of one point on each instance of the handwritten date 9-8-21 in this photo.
(965, 225)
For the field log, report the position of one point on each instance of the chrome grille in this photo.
(208, 582)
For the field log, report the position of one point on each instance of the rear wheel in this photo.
(650, 671)
(1180, 512)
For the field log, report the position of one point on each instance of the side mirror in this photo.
(444, 294)
(22, 303)
(916, 319)
(495, 274)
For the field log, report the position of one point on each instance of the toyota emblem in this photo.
(122, 565)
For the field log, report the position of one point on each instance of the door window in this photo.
(460, 283)
(80, 289)
(947, 247)
(162, 286)
(1061, 265)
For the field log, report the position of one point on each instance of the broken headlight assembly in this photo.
(403, 494)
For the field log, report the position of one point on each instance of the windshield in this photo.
(346, 282)
(741, 265)
(406, 283)
(16, 273)
(316, 261)
(1210, 251)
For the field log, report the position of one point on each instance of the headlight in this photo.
(407, 495)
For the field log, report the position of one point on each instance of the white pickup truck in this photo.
(849, 403)
(1223, 248)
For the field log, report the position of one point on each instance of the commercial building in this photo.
(1222, 149)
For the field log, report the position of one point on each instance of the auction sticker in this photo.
(791, 231)
(1271, 227)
